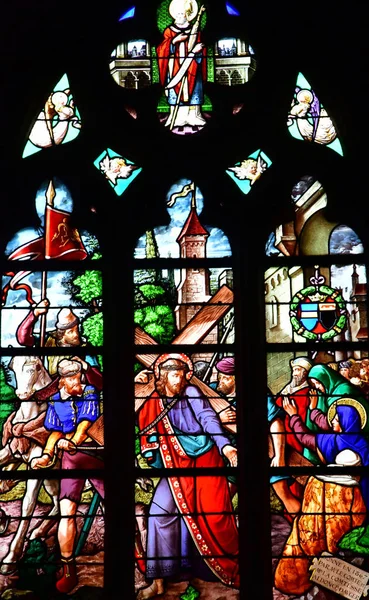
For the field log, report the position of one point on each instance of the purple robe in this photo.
(170, 548)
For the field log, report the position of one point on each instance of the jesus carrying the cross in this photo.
(191, 524)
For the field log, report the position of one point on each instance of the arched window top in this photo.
(188, 308)
(58, 239)
(185, 235)
(344, 240)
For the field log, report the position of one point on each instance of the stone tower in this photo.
(194, 287)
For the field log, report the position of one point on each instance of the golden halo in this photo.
(189, 6)
(347, 402)
(305, 96)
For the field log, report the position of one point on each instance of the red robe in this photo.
(302, 400)
(164, 56)
(213, 526)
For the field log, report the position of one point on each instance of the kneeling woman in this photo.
(332, 504)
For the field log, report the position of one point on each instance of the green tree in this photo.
(85, 289)
(89, 287)
(151, 247)
(153, 312)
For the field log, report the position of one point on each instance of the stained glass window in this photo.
(156, 178)
(317, 399)
(52, 414)
(185, 399)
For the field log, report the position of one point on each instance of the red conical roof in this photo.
(192, 226)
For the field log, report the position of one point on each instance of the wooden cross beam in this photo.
(194, 332)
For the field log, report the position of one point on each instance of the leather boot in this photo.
(69, 578)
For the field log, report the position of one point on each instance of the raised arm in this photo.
(24, 332)
(303, 434)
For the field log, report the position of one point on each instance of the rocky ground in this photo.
(90, 575)
(208, 590)
(280, 532)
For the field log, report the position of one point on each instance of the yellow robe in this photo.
(329, 510)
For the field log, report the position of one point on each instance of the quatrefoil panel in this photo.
(182, 65)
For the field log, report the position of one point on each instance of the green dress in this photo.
(336, 387)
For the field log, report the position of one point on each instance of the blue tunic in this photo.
(65, 415)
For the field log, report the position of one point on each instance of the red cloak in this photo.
(302, 400)
(203, 501)
(164, 56)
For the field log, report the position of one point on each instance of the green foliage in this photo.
(137, 367)
(210, 64)
(276, 506)
(152, 292)
(351, 541)
(191, 593)
(137, 441)
(7, 392)
(37, 570)
(157, 321)
(151, 247)
(154, 67)
(154, 312)
(207, 106)
(92, 329)
(90, 286)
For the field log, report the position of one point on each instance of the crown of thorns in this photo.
(166, 362)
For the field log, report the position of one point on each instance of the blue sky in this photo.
(166, 235)
(63, 201)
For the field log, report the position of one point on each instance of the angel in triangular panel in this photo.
(308, 119)
(57, 123)
(250, 169)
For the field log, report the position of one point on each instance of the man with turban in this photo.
(226, 387)
(298, 390)
(288, 490)
(191, 524)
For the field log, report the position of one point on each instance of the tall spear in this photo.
(50, 195)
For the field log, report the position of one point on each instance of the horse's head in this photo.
(30, 374)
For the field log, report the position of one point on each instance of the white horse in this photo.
(31, 376)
